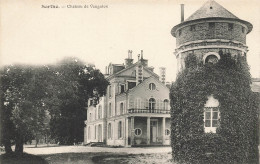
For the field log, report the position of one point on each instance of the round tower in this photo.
(207, 31)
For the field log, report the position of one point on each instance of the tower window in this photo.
(211, 25)
(180, 32)
(192, 28)
(211, 119)
(243, 29)
(211, 59)
(230, 26)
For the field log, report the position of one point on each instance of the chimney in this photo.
(162, 74)
(139, 73)
(129, 60)
(143, 61)
(182, 12)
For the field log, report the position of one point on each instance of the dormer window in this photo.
(122, 88)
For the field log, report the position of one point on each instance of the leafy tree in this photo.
(72, 84)
(22, 107)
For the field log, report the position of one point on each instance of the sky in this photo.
(32, 34)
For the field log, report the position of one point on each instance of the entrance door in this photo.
(153, 129)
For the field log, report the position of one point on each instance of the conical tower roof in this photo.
(211, 10)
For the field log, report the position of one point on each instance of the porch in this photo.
(148, 131)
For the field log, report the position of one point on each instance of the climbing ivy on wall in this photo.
(236, 138)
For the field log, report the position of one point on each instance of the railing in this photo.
(161, 111)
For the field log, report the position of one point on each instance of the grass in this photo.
(14, 158)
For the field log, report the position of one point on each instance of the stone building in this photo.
(207, 31)
(210, 29)
(135, 110)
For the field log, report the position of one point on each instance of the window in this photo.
(192, 28)
(180, 32)
(165, 104)
(211, 117)
(109, 131)
(138, 132)
(89, 134)
(167, 132)
(151, 103)
(90, 117)
(120, 129)
(243, 29)
(212, 59)
(122, 88)
(121, 108)
(109, 91)
(230, 27)
(152, 86)
(131, 84)
(95, 132)
(110, 110)
(211, 25)
(99, 111)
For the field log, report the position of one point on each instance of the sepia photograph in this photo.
(129, 82)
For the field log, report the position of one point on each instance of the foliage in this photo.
(71, 84)
(236, 140)
(37, 101)
(22, 109)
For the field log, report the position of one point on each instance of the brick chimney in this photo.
(162, 74)
(182, 12)
(129, 60)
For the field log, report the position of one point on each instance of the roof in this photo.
(211, 10)
(127, 68)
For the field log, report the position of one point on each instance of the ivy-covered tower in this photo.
(214, 116)
(208, 30)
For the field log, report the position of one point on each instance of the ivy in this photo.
(236, 138)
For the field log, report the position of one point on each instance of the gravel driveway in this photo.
(82, 149)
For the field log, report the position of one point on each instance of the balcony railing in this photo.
(161, 111)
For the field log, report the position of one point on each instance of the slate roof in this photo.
(211, 9)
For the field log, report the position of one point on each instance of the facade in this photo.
(135, 110)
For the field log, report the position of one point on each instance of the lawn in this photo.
(88, 158)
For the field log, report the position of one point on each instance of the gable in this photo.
(142, 90)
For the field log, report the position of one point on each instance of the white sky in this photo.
(33, 35)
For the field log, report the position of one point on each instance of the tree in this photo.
(22, 106)
(72, 84)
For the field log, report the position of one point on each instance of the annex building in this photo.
(135, 110)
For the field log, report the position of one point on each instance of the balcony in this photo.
(160, 111)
